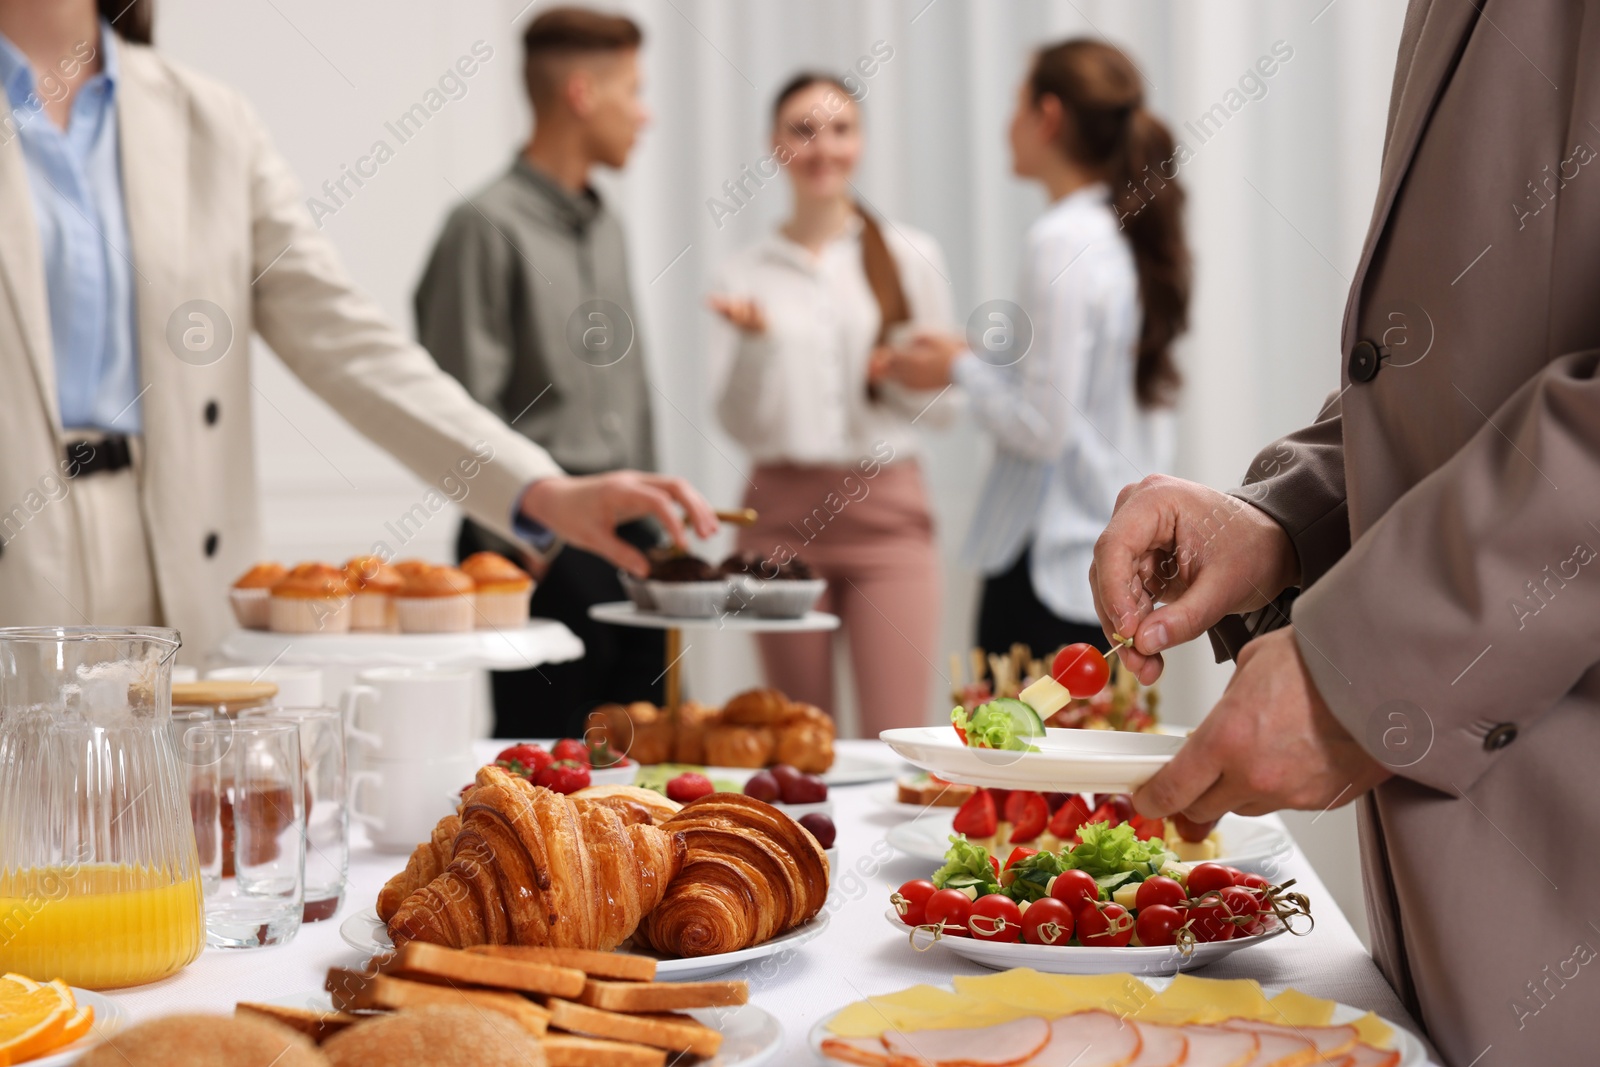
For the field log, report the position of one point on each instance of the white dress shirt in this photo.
(798, 392)
(1068, 429)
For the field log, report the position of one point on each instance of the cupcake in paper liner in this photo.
(437, 601)
(375, 584)
(503, 591)
(251, 592)
(313, 598)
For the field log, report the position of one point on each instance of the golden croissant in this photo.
(750, 874)
(531, 867)
(428, 861)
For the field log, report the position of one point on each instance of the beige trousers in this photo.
(119, 576)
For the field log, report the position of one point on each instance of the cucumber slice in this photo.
(1025, 722)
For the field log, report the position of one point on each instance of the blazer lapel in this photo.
(22, 272)
(155, 169)
(1428, 53)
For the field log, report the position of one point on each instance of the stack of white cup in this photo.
(411, 733)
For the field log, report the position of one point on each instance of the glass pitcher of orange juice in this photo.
(99, 881)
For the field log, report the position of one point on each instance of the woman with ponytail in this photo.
(1076, 394)
(798, 376)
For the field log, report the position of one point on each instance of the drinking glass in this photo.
(322, 752)
(247, 786)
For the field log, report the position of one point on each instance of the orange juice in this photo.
(99, 925)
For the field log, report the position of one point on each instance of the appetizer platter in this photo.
(1110, 901)
(1023, 1016)
(999, 819)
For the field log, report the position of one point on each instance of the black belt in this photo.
(98, 457)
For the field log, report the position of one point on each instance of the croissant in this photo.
(739, 746)
(805, 746)
(633, 803)
(755, 707)
(531, 867)
(689, 743)
(750, 874)
(427, 862)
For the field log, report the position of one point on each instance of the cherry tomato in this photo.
(1248, 905)
(1157, 924)
(1034, 813)
(1047, 921)
(1191, 831)
(995, 917)
(1210, 920)
(1017, 854)
(960, 732)
(1072, 813)
(1075, 888)
(1251, 880)
(1208, 878)
(1236, 874)
(911, 901)
(1159, 890)
(1105, 925)
(976, 817)
(949, 907)
(1082, 669)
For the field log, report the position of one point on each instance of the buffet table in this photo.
(856, 956)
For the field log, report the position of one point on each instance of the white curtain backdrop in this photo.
(1280, 186)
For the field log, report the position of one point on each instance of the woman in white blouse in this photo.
(799, 374)
(1084, 408)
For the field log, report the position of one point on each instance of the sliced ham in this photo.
(1367, 1056)
(1329, 1040)
(1160, 1046)
(866, 1051)
(1215, 1046)
(1283, 1050)
(1000, 1045)
(1089, 1039)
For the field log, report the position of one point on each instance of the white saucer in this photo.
(108, 1019)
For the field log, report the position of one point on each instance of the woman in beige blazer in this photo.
(208, 242)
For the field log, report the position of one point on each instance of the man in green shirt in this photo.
(526, 300)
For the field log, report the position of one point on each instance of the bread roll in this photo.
(739, 746)
(689, 744)
(756, 707)
(441, 1035)
(806, 745)
(206, 1041)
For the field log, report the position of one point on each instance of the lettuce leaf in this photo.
(1113, 850)
(994, 725)
(966, 865)
(1030, 877)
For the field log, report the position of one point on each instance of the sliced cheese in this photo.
(1046, 696)
(922, 1007)
(1294, 1008)
(1374, 1031)
(1055, 994)
(1207, 1000)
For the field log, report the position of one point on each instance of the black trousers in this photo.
(620, 664)
(1010, 612)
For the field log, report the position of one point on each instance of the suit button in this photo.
(1365, 359)
(212, 412)
(211, 545)
(1500, 737)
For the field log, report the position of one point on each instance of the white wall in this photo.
(1279, 202)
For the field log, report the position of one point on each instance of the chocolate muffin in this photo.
(746, 562)
(682, 569)
(796, 570)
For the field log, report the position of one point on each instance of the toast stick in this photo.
(675, 1033)
(432, 962)
(662, 996)
(569, 1050)
(621, 965)
(355, 989)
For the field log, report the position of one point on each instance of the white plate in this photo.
(1068, 761)
(750, 1035)
(851, 768)
(365, 932)
(1085, 959)
(1412, 1052)
(1247, 843)
(108, 1018)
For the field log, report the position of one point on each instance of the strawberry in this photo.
(1072, 814)
(564, 776)
(977, 817)
(690, 786)
(569, 748)
(1030, 820)
(525, 760)
(1016, 803)
(1148, 829)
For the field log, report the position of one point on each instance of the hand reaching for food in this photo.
(741, 311)
(1198, 553)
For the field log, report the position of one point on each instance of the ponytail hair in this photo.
(1109, 128)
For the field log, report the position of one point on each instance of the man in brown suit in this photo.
(1420, 562)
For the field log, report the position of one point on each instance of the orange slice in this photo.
(78, 1024)
(32, 1023)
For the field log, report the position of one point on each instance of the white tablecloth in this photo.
(857, 955)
